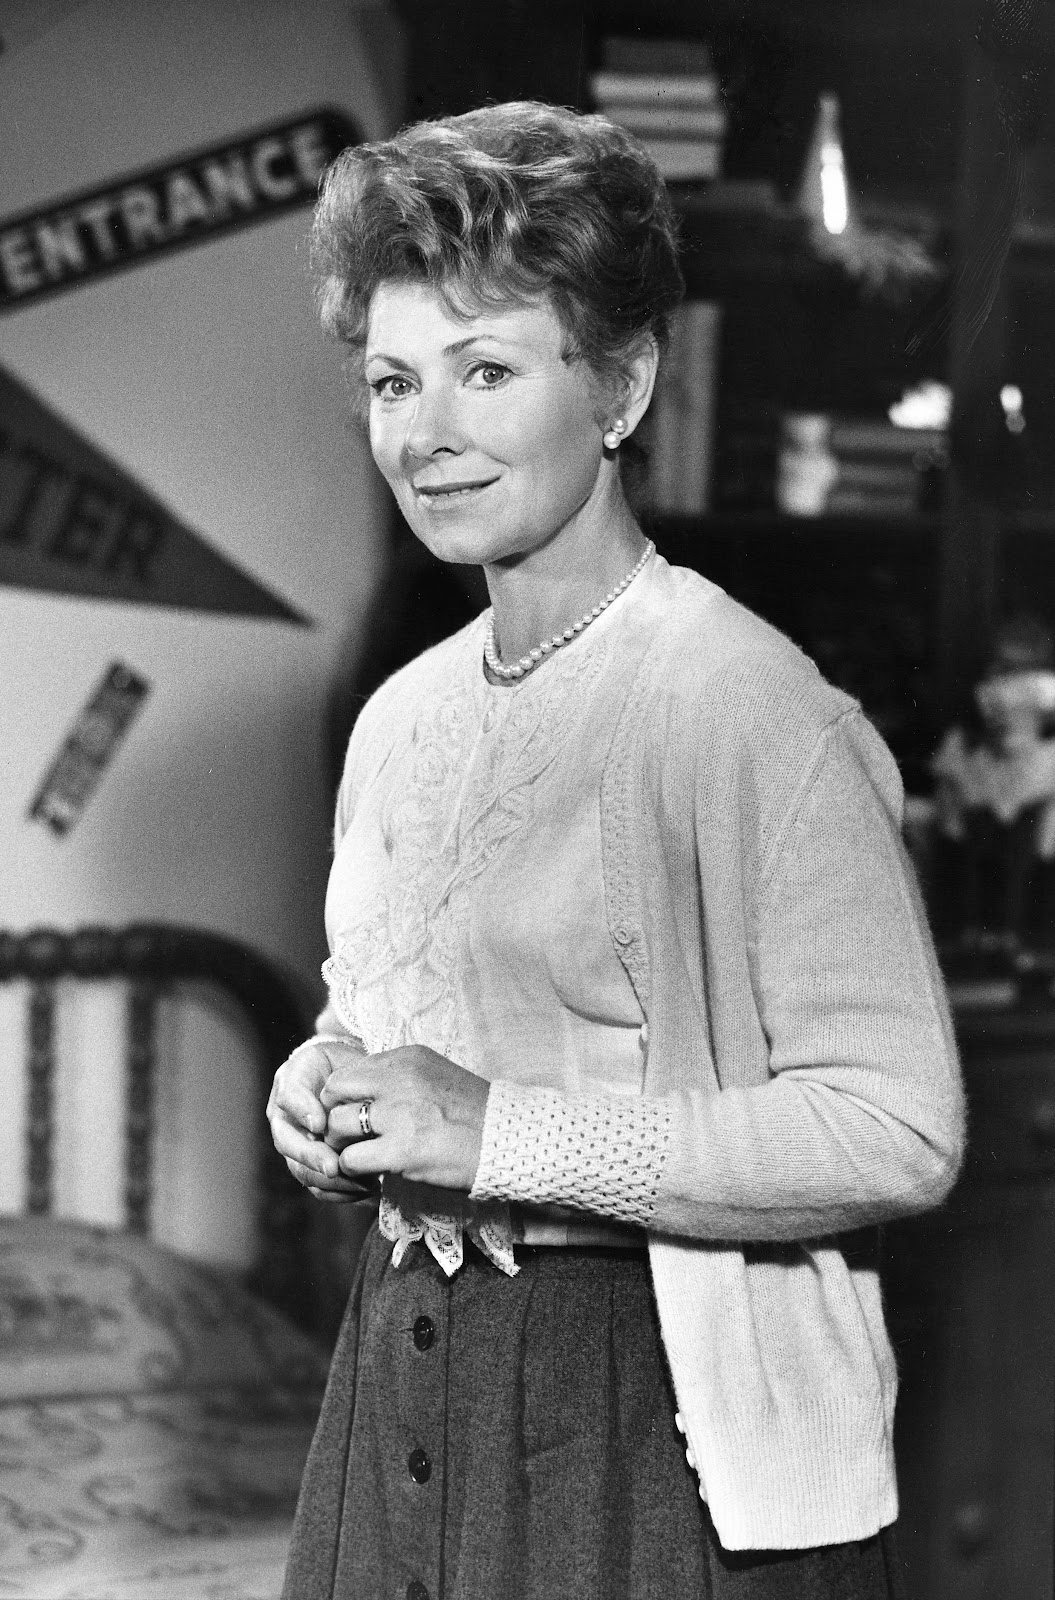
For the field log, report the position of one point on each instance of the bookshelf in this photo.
(796, 333)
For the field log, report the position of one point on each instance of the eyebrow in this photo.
(448, 350)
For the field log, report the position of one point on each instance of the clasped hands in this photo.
(426, 1118)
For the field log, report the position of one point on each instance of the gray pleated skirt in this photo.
(494, 1438)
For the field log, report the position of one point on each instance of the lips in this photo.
(442, 491)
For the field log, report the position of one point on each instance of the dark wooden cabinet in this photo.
(971, 1301)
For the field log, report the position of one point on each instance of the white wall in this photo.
(204, 374)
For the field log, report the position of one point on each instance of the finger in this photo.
(296, 1085)
(357, 1080)
(339, 1052)
(314, 1180)
(299, 1102)
(351, 1189)
(368, 1158)
(334, 1198)
(296, 1146)
(343, 1125)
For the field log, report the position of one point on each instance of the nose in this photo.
(434, 428)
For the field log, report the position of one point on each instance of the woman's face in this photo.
(490, 439)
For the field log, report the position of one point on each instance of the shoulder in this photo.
(737, 716)
(719, 663)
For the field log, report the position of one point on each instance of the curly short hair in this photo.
(514, 202)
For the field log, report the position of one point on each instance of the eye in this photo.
(393, 386)
(488, 374)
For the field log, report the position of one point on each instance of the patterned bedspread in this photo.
(154, 1422)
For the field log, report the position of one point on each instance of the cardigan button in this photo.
(622, 934)
(678, 1422)
(419, 1466)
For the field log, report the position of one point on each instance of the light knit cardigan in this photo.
(801, 1077)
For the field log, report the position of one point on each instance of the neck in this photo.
(546, 591)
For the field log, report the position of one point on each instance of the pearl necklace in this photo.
(528, 663)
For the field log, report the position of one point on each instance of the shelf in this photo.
(731, 247)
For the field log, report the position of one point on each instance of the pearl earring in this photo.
(614, 437)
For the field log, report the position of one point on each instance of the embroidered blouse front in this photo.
(466, 906)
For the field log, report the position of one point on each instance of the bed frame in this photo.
(152, 958)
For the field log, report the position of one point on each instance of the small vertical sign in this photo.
(88, 748)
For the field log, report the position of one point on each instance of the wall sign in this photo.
(159, 209)
(88, 748)
(72, 521)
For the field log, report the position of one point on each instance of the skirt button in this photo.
(424, 1333)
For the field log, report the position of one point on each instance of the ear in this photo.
(639, 379)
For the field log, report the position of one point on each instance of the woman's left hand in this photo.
(426, 1117)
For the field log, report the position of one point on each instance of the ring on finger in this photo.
(365, 1126)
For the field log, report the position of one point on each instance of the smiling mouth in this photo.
(442, 492)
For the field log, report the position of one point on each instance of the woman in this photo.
(632, 1005)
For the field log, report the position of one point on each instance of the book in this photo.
(668, 122)
(681, 57)
(702, 340)
(653, 89)
(870, 436)
(852, 467)
(861, 503)
(885, 477)
(683, 412)
(685, 159)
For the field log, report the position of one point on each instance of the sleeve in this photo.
(599, 1153)
(861, 1118)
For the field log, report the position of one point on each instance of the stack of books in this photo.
(883, 470)
(667, 94)
(858, 467)
(682, 413)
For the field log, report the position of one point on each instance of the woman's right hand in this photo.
(298, 1119)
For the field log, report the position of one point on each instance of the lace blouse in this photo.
(466, 907)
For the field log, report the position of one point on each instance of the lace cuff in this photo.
(599, 1153)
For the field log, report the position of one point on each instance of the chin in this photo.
(446, 544)
(465, 544)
